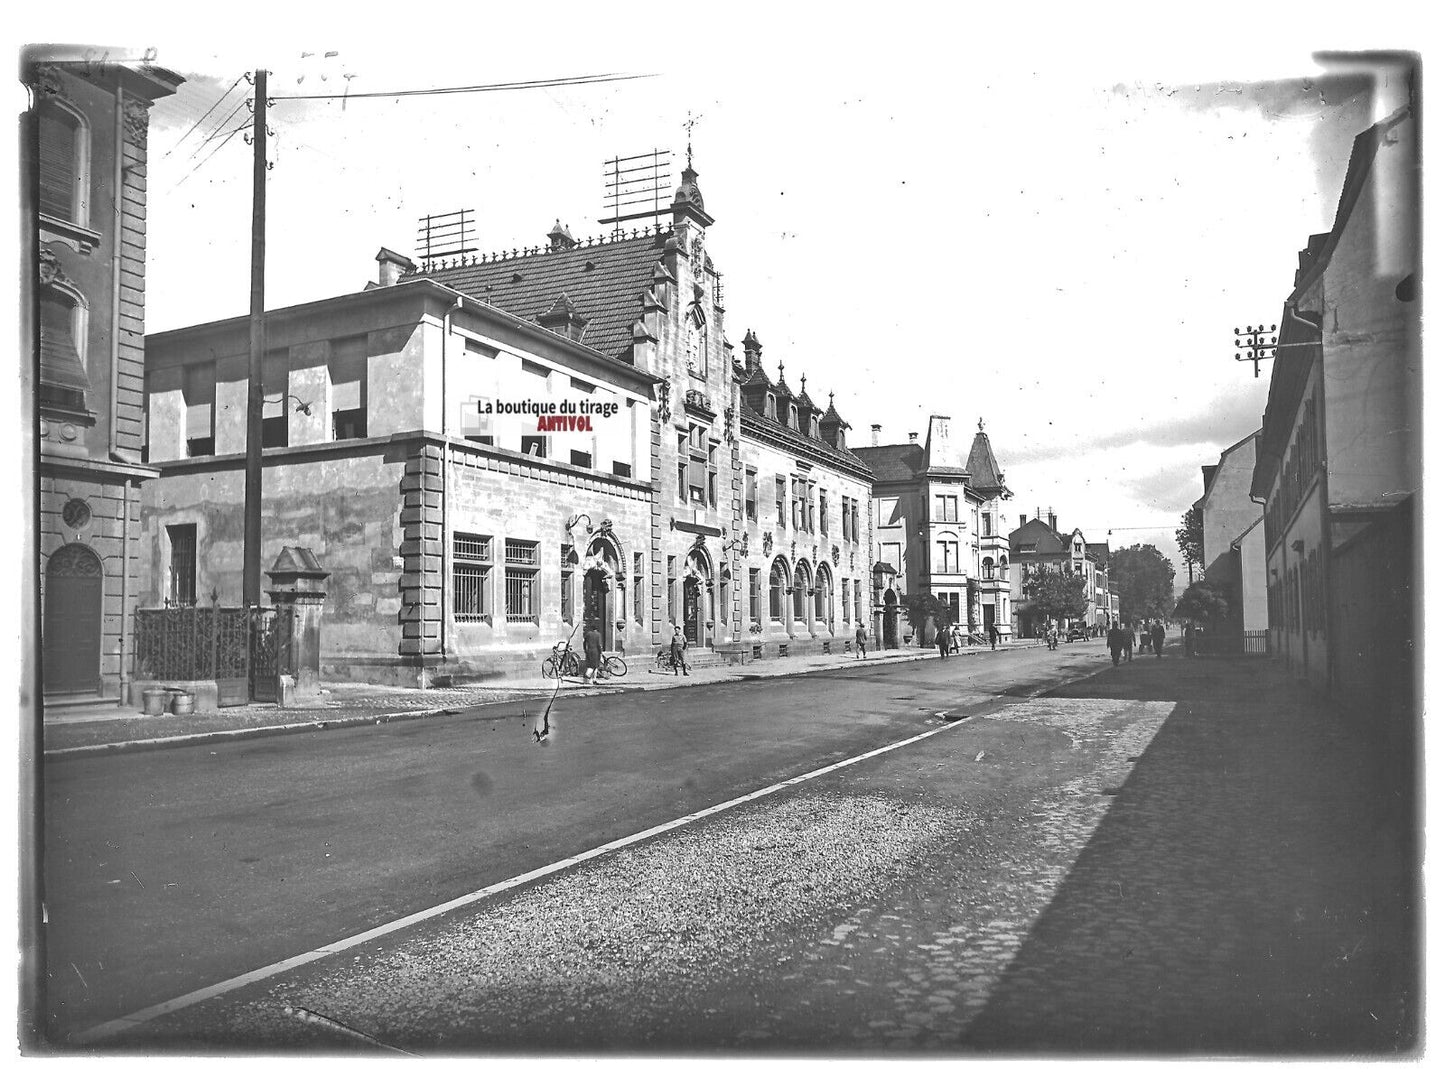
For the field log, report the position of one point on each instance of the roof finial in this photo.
(980, 422)
(830, 398)
(690, 121)
(804, 381)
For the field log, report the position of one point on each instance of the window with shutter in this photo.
(63, 379)
(61, 158)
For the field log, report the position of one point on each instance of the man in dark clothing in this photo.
(1116, 642)
(943, 635)
(591, 652)
(1128, 643)
(993, 635)
(1156, 637)
(679, 652)
(860, 638)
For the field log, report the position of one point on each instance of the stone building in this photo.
(1234, 544)
(937, 530)
(466, 532)
(1339, 464)
(1037, 546)
(85, 148)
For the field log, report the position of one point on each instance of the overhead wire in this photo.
(529, 84)
(210, 110)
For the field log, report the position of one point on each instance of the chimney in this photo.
(938, 440)
(752, 351)
(877, 429)
(1023, 519)
(1053, 520)
(913, 437)
(391, 267)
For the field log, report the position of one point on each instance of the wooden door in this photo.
(74, 597)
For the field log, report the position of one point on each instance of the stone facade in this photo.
(86, 137)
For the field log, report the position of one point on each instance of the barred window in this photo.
(569, 558)
(844, 592)
(471, 571)
(521, 580)
(671, 588)
(755, 595)
(637, 585)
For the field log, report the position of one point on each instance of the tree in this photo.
(1190, 537)
(1203, 602)
(1056, 595)
(920, 606)
(1146, 582)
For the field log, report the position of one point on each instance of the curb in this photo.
(342, 722)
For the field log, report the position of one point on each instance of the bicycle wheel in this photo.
(570, 666)
(549, 667)
(614, 666)
(664, 660)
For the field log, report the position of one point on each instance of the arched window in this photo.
(1002, 568)
(988, 568)
(64, 162)
(802, 581)
(823, 595)
(63, 317)
(777, 588)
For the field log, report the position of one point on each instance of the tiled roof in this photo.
(604, 281)
(981, 466)
(892, 463)
(845, 458)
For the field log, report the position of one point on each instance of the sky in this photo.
(940, 212)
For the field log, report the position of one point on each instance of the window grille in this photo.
(183, 564)
(521, 552)
(637, 585)
(568, 608)
(471, 571)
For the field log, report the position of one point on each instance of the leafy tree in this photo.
(920, 606)
(1056, 595)
(1146, 582)
(1203, 602)
(1190, 537)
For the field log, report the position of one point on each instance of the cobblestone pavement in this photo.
(1174, 858)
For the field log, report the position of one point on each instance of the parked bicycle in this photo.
(612, 666)
(563, 661)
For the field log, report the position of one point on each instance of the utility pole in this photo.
(1252, 340)
(251, 551)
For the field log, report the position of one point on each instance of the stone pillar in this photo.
(298, 589)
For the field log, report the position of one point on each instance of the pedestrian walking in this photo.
(943, 641)
(860, 638)
(1156, 637)
(1128, 644)
(1116, 642)
(993, 637)
(679, 652)
(591, 652)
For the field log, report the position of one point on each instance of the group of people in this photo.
(951, 639)
(1121, 640)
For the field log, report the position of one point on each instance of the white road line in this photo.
(137, 1018)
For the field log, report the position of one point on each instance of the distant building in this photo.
(85, 142)
(937, 530)
(1339, 458)
(1037, 546)
(1234, 546)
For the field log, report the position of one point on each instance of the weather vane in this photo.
(691, 120)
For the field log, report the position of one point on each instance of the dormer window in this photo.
(770, 407)
(813, 428)
(793, 416)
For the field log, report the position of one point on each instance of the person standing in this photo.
(591, 652)
(679, 652)
(993, 637)
(943, 638)
(860, 638)
(1129, 644)
(1156, 636)
(1116, 642)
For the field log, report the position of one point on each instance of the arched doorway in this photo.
(778, 585)
(823, 598)
(890, 619)
(697, 597)
(600, 584)
(802, 584)
(74, 597)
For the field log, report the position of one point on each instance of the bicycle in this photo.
(562, 662)
(612, 666)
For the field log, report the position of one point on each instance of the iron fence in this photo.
(226, 645)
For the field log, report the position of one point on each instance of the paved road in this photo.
(169, 871)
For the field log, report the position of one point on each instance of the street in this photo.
(1056, 866)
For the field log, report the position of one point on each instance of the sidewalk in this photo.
(105, 728)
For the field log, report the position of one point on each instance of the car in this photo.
(1077, 632)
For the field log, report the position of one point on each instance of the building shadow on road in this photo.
(1252, 890)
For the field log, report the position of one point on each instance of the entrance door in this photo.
(74, 589)
(987, 618)
(597, 606)
(691, 612)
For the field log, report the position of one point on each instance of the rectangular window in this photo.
(780, 499)
(60, 156)
(534, 445)
(476, 421)
(812, 515)
(858, 599)
(581, 459)
(199, 389)
(347, 370)
(671, 587)
(843, 592)
(797, 504)
(637, 586)
(822, 512)
(183, 564)
(275, 384)
(521, 579)
(471, 572)
(987, 525)
(568, 596)
(621, 470)
(853, 511)
(945, 508)
(682, 459)
(755, 596)
(844, 507)
(750, 494)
